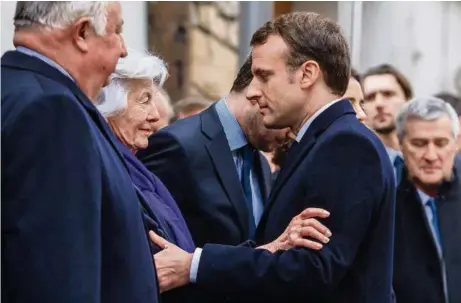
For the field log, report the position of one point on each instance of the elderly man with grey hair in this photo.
(427, 265)
(72, 229)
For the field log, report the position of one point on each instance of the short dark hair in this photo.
(244, 77)
(310, 36)
(387, 69)
(453, 100)
(355, 74)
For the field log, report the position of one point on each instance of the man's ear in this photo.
(310, 73)
(81, 31)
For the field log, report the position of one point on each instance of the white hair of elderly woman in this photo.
(59, 14)
(426, 108)
(113, 98)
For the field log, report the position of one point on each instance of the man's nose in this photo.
(431, 153)
(253, 92)
(379, 100)
(124, 51)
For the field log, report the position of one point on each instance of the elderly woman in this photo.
(127, 103)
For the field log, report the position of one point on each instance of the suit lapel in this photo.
(18, 60)
(417, 210)
(449, 212)
(298, 152)
(221, 157)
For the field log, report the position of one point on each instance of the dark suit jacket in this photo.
(193, 159)
(417, 267)
(341, 166)
(72, 229)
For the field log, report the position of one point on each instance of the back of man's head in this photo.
(190, 106)
(244, 77)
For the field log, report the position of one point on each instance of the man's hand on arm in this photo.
(172, 263)
(302, 227)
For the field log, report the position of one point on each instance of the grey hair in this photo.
(427, 108)
(113, 98)
(60, 14)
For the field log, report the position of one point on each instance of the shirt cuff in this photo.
(194, 265)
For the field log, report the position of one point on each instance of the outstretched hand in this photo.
(172, 264)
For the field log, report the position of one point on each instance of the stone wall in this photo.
(199, 41)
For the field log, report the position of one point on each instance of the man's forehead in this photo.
(273, 48)
(380, 82)
(429, 128)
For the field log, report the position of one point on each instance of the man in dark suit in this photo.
(210, 164)
(301, 68)
(427, 262)
(72, 228)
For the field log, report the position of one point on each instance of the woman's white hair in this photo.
(113, 98)
(60, 14)
(427, 108)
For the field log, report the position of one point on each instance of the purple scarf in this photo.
(159, 199)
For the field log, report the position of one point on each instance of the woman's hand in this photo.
(301, 227)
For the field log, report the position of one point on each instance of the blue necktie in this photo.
(398, 165)
(435, 221)
(247, 154)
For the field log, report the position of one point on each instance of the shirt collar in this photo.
(44, 58)
(232, 130)
(308, 123)
(392, 153)
(424, 198)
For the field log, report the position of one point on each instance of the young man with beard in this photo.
(386, 89)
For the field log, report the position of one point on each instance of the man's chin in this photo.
(430, 181)
(384, 129)
(272, 123)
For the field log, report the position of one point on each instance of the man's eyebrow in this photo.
(260, 71)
